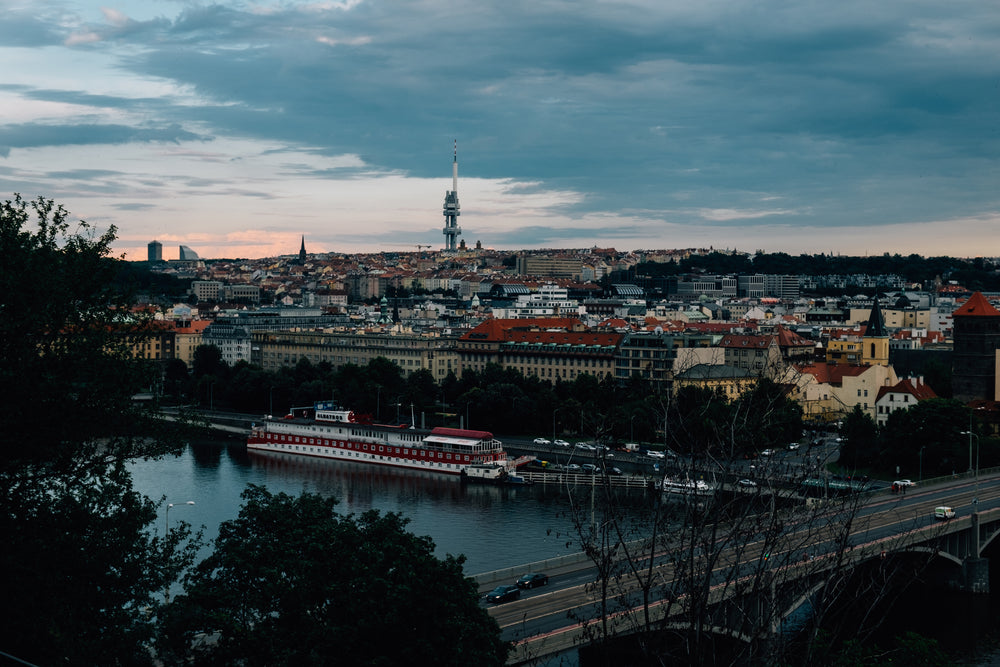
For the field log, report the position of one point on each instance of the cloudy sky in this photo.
(237, 128)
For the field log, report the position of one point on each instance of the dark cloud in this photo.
(827, 114)
(30, 135)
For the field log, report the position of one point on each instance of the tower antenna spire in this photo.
(452, 209)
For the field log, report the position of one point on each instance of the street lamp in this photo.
(631, 429)
(270, 402)
(166, 531)
(920, 455)
(975, 498)
(554, 411)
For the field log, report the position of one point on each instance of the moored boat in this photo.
(492, 473)
(327, 431)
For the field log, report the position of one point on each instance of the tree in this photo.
(292, 582)
(937, 425)
(861, 443)
(81, 569)
(736, 553)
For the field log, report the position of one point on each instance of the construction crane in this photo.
(418, 246)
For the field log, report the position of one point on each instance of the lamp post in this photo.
(975, 497)
(554, 412)
(270, 402)
(920, 456)
(166, 531)
(631, 429)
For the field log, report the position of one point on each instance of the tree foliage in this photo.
(80, 567)
(292, 582)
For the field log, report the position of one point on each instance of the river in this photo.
(494, 527)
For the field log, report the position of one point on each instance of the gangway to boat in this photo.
(522, 461)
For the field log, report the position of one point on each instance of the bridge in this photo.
(756, 585)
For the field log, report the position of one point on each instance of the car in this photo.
(793, 446)
(767, 452)
(615, 471)
(503, 594)
(532, 579)
(904, 482)
(749, 483)
(653, 454)
(572, 467)
(560, 443)
(589, 468)
(943, 512)
(541, 441)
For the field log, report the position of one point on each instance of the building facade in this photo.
(975, 354)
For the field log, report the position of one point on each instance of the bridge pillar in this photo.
(976, 573)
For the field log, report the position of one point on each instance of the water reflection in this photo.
(495, 527)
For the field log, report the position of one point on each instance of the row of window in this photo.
(388, 450)
(316, 450)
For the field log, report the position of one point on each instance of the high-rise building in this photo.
(187, 254)
(452, 209)
(154, 252)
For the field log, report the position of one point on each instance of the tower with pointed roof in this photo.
(302, 251)
(975, 355)
(875, 342)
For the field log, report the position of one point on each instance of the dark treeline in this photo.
(502, 401)
(495, 399)
(975, 274)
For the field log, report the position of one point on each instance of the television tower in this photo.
(451, 208)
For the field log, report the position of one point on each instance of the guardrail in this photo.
(587, 479)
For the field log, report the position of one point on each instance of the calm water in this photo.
(495, 527)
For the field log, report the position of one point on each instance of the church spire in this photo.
(302, 250)
(876, 323)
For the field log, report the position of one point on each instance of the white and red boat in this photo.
(329, 432)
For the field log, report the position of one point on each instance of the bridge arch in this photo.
(986, 543)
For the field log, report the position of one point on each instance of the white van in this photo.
(943, 512)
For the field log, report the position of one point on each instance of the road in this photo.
(550, 611)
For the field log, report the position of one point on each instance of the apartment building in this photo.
(273, 350)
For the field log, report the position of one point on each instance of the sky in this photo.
(239, 128)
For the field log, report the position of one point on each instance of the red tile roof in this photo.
(915, 388)
(977, 305)
(831, 373)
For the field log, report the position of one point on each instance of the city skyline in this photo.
(237, 129)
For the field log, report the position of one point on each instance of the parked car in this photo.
(532, 580)
(904, 482)
(653, 454)
(589, 468)
(767, 452)
(561, 443)
(793, 446)
(615, 471)
(747, 483)
(943, 512)
(541, 441)
(503, 594)
(572, 467)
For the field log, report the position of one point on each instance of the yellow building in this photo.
(729, 381)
